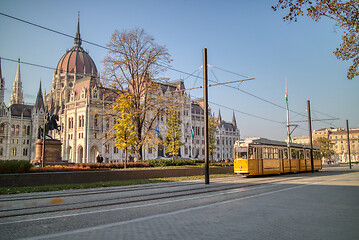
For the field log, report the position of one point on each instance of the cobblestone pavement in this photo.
(322, 205)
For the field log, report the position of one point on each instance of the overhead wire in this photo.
(162, 65)
(159, 64)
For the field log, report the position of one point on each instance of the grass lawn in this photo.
(46, 188)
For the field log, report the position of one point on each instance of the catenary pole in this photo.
(205, 100)
(350, 162)
(310, 137)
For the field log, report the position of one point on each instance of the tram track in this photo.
(115, 201)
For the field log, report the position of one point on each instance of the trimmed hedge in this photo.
(14, 166)
(176, 162)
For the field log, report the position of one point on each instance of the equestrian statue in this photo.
(50, 124)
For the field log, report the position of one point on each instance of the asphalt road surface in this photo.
(321, 205)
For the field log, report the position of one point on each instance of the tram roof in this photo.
(265, 141)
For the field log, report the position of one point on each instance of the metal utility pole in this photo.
(205, 101)
(310, 137)
(350, 162)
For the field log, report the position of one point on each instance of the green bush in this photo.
(14, 166)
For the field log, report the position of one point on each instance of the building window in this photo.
(94, 93)
(24, 152)
(23, 130)
(96, 120)
(28, 130)
(13, 151)
(115, 149)
(1, 151)
(83, 93)
(107, 148)
(71, 122)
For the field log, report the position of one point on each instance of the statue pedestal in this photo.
(52, 151)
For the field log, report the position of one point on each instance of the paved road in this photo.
(323, 205)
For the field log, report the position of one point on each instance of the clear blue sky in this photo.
(245, 37)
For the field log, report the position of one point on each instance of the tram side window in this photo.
(276, 153)
(250, 153)
(294, 154)
(270, 154)
(285, 154)
(301, 154)
(265, 153)
(307, 154)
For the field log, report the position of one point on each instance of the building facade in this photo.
(19, 122)
(339, 139)
(80, 102)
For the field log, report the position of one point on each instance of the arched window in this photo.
(28, 130)
(23, 130)
(12, 129)
(95, 93)
(13, 151)
(83, 93)
(17, 130)
(1, 151)
(72, 97)
(2, 128)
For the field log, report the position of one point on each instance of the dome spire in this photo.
(78, 40)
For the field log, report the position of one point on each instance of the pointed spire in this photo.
(2, 86)
(0, 69)
(234, 122)
(16, 94)
(219, 117)
(78, 40)
(39, 99)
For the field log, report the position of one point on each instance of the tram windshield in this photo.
(241, 152)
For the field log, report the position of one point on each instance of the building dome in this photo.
(76, 60)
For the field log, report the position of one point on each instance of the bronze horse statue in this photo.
(50, 124)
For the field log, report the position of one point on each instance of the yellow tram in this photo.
(261, 156)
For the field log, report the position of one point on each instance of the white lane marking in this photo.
(100, 227)
(129, 207)
(145, 205)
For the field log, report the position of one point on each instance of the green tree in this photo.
(174, 133)
(326, 147)
(212, 130)
(134, 65)
(125, 135)
(346, 15)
